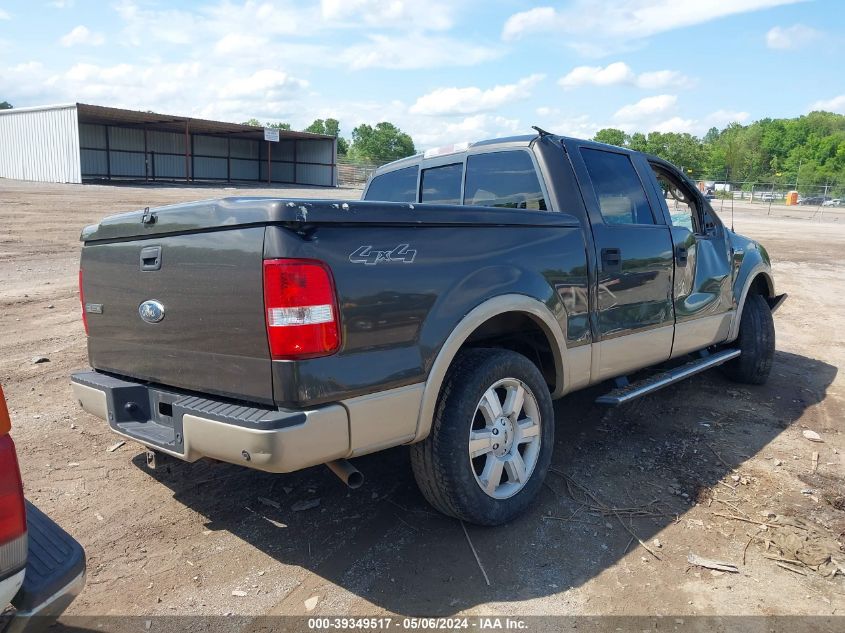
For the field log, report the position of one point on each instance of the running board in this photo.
(649, 385)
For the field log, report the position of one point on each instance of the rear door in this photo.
(633, 316)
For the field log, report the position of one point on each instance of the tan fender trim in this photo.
(383, 419)
(759, 269)
(476, 317)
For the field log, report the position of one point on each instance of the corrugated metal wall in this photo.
(40, 145)
(48, 144)
(118, 152)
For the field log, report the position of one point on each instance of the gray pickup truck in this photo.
(445, 310)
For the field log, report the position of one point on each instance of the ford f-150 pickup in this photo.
(445, 310)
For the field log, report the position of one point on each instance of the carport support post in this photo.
(146, 156)
(108, 154)
(228, 159)
(295, 143)
(269, 164)
(187, 159)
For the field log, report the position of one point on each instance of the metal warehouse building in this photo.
(80, 142)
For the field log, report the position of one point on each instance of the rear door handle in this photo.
(611, 258)
(681, 255)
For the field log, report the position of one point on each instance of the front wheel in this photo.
(491, 439)
(756, 343)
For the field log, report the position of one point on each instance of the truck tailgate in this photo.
(212, 335)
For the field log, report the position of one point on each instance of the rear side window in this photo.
(622, 199)
(394, 186)
(442, 185)
(503, 179)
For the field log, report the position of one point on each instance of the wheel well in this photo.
(760, 286)
(520, 333)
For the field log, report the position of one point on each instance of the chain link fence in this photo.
(354, 174)
(774, 197)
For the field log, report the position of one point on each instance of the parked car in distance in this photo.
(835, 202)
(42, 568)
(813, 200)
(444, 310)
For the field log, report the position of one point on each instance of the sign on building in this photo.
(271, 134)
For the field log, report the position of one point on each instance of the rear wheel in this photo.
(756, 343)
(491, 439)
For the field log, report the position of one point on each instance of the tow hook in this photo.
(347, 473)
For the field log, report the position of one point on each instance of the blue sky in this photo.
(443, 70)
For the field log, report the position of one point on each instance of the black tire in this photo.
(443, 469)
(756, 342)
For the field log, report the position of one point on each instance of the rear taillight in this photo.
(13, 543)
(82, 301)
(300, 309)
(12, 515)
(5, 420)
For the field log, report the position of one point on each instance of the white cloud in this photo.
(432, 15)
(189, 88)
(62, 4)
(446, 101)
(646, 108)
(721, 118)
(285, 31)
(4, 15)
(82, 35)
(597, 25)
(236, 59)
(171, 26)
(791, 37)
(620, 73)
(530, 21)
(472, 128)
(675, 124)
(262, 84)
(413, 51)
(236, 43)
(610, 75)
(836, 104)
(653, 80)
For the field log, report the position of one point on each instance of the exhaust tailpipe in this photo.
(347, 473)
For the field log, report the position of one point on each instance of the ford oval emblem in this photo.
(151, 311)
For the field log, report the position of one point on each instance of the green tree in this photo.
(681, 149)
(5, 105)
(612, 136)
(330, 127)
(638, 142)
(711, 136)
(380, 144)
(256, 123)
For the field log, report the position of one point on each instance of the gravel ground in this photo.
(704, 467)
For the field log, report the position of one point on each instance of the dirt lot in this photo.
(705, 467)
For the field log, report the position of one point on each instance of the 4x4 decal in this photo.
(366, 255)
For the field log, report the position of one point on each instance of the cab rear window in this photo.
(503, 179)
(394, 186)
(442, 185)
